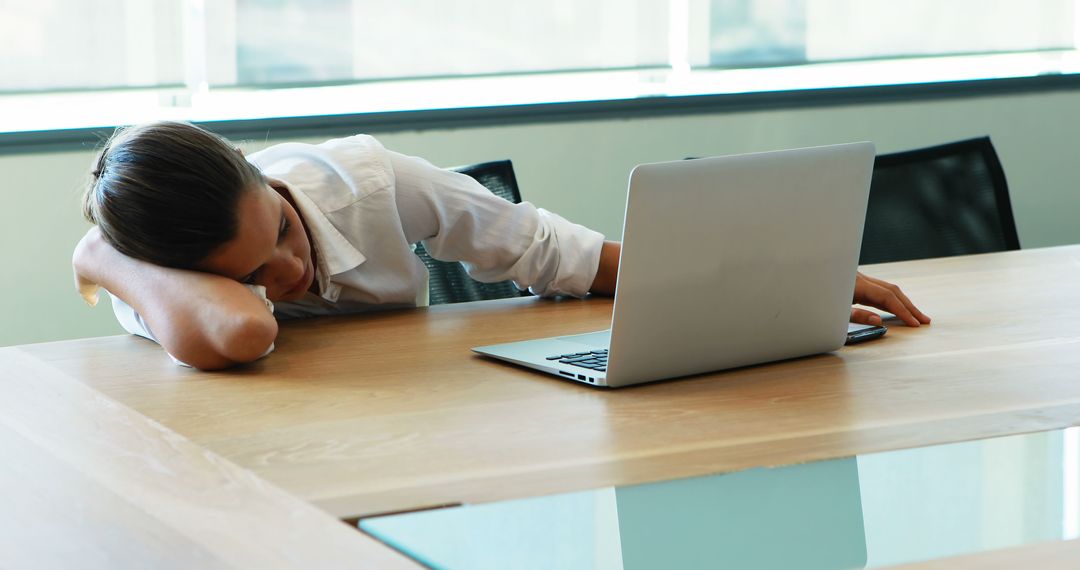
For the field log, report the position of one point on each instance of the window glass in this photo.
(191, 47)
(292, 41)
(284, 41)
(67, 44)
(784, 32)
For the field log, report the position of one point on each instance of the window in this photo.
(215, 59)
(788, 32)
(67, 44)
(346, 40)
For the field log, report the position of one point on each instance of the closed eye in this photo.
(285, 227)
(283, 231)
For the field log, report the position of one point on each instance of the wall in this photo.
(578, 169)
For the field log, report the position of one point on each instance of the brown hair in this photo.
(167, 192)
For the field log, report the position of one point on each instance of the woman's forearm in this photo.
(608, 270)
(204, 320)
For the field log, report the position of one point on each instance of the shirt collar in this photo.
(335, 253)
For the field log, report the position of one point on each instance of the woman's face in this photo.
(270, 249)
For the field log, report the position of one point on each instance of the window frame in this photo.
(496, 115)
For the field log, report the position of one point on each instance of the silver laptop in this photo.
(726, 262)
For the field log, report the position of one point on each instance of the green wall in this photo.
(578, 169)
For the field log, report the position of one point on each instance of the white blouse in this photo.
(365, 206)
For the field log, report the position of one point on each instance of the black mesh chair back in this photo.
(937, 202)
(448, 282)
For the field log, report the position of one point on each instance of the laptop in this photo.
(726, 262)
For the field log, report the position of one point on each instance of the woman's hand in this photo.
(84, 265)
(884, 295)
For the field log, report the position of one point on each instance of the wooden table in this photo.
(388, 412)
(89, 483)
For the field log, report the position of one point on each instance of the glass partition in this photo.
(868, 511)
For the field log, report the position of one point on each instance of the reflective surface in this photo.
(857, 512)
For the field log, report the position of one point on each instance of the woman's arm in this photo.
(608, 269)
(868, 291)
(204, 320)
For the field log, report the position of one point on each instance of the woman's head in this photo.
(175, 195)
(167, 192)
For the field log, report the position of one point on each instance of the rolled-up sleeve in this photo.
(132, 321)
(134, 324)
(457, 219)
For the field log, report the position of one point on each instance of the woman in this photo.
(204, 250)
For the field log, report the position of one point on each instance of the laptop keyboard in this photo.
(592, 359)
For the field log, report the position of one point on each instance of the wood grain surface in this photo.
(89, 483)
(386, 412)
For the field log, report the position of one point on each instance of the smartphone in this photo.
(859, 333)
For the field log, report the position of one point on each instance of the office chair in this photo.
(938, 201)
(448, 282)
